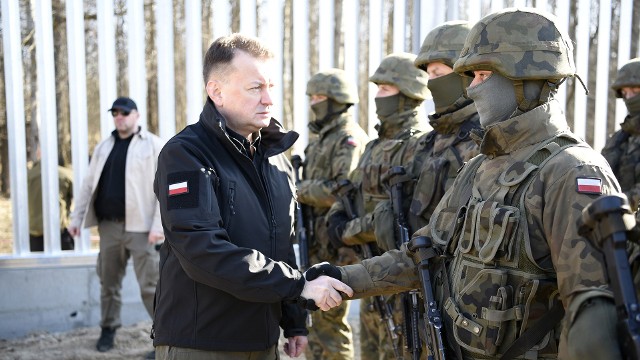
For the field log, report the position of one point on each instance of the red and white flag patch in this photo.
(589, 185)
(178, 188)
(351, 141)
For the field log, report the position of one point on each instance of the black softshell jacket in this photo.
(228, 276)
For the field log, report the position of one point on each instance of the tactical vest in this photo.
(435, 172)
(624, 158)
(379, 156)
(496, 289)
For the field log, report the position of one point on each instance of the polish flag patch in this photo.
(589, 185)
(178, 188)
(351, 141)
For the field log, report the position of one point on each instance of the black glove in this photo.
(307, 304)
(335, 227)
(323, 268)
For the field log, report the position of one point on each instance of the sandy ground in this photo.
(132, 342)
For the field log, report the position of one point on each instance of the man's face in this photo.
(629, 91)
(243, 96)
(437, 69)
(126, 122)
(315, 98)
(385, 90)
(480, 76)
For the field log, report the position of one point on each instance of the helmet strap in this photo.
(524, 104)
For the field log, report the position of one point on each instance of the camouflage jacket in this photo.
(437, 158)
(512, 248)
(622, 151)
(440, 155)
(398, 137)
(329, 157)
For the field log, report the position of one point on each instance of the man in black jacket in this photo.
(228, 278)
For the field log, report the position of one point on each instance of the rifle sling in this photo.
(535, 333)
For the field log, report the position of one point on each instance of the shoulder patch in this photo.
(351, 141)
(589, 185)
(183, 189)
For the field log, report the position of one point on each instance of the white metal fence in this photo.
(364, 25)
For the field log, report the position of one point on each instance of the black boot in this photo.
(105, 343)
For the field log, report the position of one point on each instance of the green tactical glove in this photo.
(593, 334)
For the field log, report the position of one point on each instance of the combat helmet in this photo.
(628, 75)
(334, 84)
(398, 69)
(443, 44)
(520, 44)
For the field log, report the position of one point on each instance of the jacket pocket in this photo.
(477, 324)
(488, 231)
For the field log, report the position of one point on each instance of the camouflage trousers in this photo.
(375, 341)
(330, 335)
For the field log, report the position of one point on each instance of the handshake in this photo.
(323, 281)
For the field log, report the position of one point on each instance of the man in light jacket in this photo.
(117, 196)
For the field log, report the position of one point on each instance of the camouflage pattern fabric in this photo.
(440, 155)
(333, 83)
(540, 251)
(398, 69)
(628, 76)
(443, 44)
(622, 151)
(521, 45)
(328, 158)
(394, 146)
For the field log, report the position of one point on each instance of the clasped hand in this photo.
(325, 291)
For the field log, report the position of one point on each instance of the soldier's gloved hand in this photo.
(323, 268)
(323, 292)
(335, 228)
(593, 334)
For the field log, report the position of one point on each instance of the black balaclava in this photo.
(387, 105)
(325, 111)
(446, 90)
(633, 104)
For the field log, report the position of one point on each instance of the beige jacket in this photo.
(142, 211)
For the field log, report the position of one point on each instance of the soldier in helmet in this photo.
(622, 150)
(329, 157)
(517, 279)
(401, 90)
(441, 152)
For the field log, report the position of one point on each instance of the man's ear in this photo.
(214, 91)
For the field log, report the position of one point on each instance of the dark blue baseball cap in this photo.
(123, 103)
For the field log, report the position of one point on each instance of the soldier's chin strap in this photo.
(548, 91)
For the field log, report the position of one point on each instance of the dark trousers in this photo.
(36, 243)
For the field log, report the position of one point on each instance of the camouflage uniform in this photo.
(622, 150)
(508, 223)
(443, 151)
(330, 157)
(398, 136)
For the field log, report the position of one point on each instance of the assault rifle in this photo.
(608, 222)
(395, 179)
(301, 230)
(343, 191)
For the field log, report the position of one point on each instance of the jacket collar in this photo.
(449, 123)
(274, 139)
(142, 133)
(335, 123)
(532, 127)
